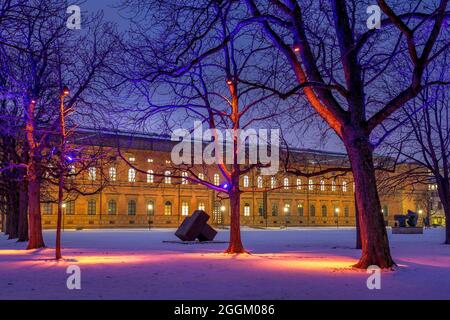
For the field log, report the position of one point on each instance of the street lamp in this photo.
(336, 210)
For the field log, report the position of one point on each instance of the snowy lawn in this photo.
(297, 263)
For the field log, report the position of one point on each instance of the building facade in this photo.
(139, 187)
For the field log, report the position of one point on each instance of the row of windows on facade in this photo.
(132, 208)
(216, 180)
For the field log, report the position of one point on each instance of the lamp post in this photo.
(336, 210)
(64, 93)
(149, 210)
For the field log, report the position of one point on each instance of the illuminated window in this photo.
(333, 185)
(92, 174)
(70, 207)
(300, 209)
(245, 181)
(132, 159)
(47, 208)
(324, 211)
(287, 209)
(112, 174)
(322, 185)
(201, 206)
(216, 179)
(168, 208)
(184, 176)
(132, 207)
(273, 182)
(150, 176)
(247, 210)
(92, 207)
(201, 176)
(112, 207)
(286, 183)
(259, 182)
(310, 184)
(150, 208)
(131, 175)
(344, 186)
(149, 160)
(184, 209)
(167, 177)
(385, 210)
(299, 184)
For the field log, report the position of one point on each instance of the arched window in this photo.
(184, 175)
(287, 209)
(201, 206)
(216, 179)
(132, 207)
(70, 207)
(92, 207)
(299, 184)
(168, 208)
(261, 209)
(385, 210)
(112, 174)
(274, 209)
(246, 181)
(300, 209)
(344, 186)
(310, 184)
(286, 183)
(260, 182)
(247, 210)
(322, 185)
(324, 211)
(312, 210)
(131, 175)
(346, 211)
(150, 208)
(167, 177)
(273, 182)
(112, 207)
(92, 174)
(150, 176)
(185, 208)
(48, 208)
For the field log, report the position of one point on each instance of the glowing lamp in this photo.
(286, 209)
(223, 208)
(229, 82)
(65, 91)
(33, 101)
(336, 210)
(296, 47)
(420, 211)
(63, 205)
(150, 207)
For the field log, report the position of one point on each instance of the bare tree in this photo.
(347, 73)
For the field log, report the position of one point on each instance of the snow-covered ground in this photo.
(297, 263)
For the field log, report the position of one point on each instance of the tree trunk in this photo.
(444, 197)
(23, 211)
(13, 212)
(34, 209)
(374, 240)
(358, 229)
(235, 245)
